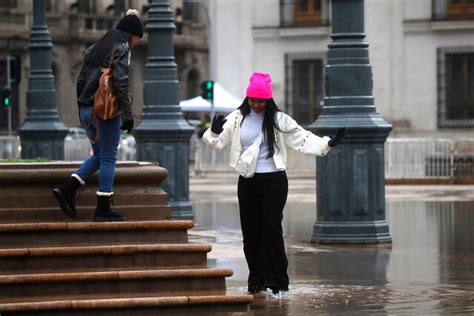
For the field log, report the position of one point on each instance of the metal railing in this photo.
(10, 147)
(418, 158)
(405, 158)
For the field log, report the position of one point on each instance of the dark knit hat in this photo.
(131, 23)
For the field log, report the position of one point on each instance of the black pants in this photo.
(261, 202)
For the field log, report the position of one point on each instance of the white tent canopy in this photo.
(223, 102)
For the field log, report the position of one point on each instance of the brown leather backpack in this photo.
(105, 102)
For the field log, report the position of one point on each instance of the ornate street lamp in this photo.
(42, 134)
(163, 135)
(350, 180)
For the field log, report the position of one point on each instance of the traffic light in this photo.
(6, 96)
(207, 88)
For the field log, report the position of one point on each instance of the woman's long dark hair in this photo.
(105, 45)
(269, 122)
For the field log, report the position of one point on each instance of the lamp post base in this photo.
(181, 210)
(369, 232)
(41, 142)
(168, 144)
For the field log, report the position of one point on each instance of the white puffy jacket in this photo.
(293, 136)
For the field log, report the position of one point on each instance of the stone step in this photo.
(142, 256)
(152, 305)
(84, 213)
(26, 193)
(28, 235)
(86, 198)
(175, 282)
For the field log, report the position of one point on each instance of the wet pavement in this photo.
(427, 270)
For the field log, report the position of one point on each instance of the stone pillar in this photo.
(163, 135)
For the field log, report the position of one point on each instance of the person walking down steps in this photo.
(259, 134)
(113, 49)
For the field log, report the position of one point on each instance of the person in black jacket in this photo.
(104, 135)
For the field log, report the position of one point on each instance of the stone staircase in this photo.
(50, 265)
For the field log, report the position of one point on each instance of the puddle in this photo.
(428, 269)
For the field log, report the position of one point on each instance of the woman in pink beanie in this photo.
(259, 135)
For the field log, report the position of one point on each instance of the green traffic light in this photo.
(207, 89)
(6, 96)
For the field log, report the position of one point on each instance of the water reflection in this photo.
(428, 269)
(431, 242)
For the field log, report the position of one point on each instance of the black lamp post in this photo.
(42, 134)
(163, 135)
(350, 179)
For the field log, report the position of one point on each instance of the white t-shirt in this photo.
(251, 127)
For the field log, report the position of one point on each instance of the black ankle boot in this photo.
(103, 212)
(66, 196)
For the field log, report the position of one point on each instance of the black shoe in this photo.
(110, 217)
(255, 285)
(103, 212)
(66, 196)
(276, 289)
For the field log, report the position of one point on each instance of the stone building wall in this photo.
(72, 32)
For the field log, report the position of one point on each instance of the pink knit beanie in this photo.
(260, 86)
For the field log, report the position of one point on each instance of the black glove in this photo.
(127, 126)
(337, 138)
(217, 124)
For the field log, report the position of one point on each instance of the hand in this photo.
(127, 126)
(337, 138)
(217, 124)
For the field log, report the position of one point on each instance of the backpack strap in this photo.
(112, 56)
(94, 141)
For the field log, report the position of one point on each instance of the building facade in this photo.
(73, 26)
(422, 53)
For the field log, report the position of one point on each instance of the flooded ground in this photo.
(428, 269)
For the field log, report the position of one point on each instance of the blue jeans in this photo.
(104, 151)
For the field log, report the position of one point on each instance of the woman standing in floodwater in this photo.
(259, 134)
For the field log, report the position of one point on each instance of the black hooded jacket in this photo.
(88, 80)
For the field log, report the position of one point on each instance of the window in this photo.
(453, 9)
(191, 12)
(304, 89)
(460, 9)
(308, 12)
(456, 87)
(8, 4)
(50, 6)
(119, 7)
(460, 86)
(304, 12)
(192, 84)
(86, 6)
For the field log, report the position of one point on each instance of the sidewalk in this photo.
(427, 269)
